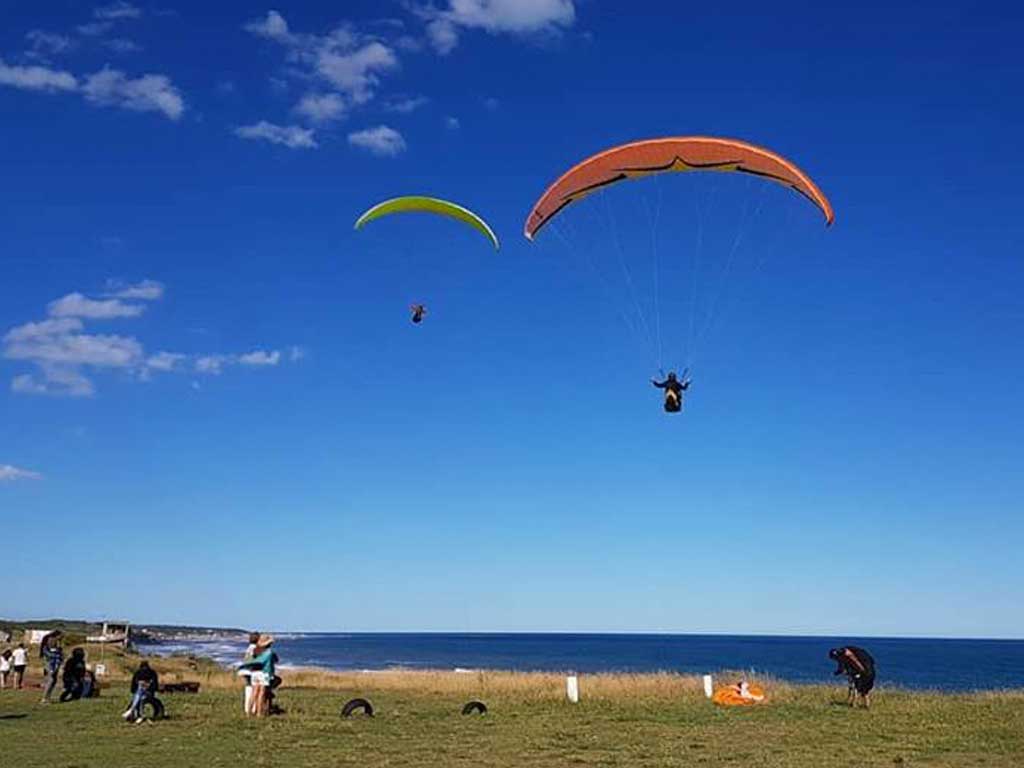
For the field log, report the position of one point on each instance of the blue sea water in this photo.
(949, 665)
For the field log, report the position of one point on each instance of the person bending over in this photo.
(859, 668)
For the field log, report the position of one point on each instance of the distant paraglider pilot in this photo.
(674, 389)
(418, 311)
(859, 668)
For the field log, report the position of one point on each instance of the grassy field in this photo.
(622, 720)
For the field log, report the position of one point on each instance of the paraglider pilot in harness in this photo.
(418, 311)
(674, 389)
(859, 668)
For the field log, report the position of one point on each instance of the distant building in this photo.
(35, 636)
(119, 632)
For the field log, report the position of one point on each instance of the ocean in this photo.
(948, 665)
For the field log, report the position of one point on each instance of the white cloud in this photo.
(291, 136)
(9, 474)
(452, 123)
(95, 28)
(146, 290)
(117, 10)
(77, 305)
(273, 27)
(516, 17)
(57, 381)
(382, 141)
(149, 93)
(408, 43)
(259, 358)
(108, 87)
(37, 78)
(296, 353)
(355, 72)
(212, 364)
(74, 349)
(350, 62)
(63, 352)
(165, 361)
(46, 43)
(322, 109)
(491, 103)
(30, 331)
(60, 348)
(443, 35)
(406, 105)
(123, 45)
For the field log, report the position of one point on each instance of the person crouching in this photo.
(74, 676)
(145, 684)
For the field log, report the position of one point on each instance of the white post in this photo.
(708, 690)
(247, 699)
(572, 688)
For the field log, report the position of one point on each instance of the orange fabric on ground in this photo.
(730, 696)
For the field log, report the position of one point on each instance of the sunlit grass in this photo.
(621, 720)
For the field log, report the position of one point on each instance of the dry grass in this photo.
(521, 686)
(622, 721)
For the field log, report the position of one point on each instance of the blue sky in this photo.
(214, 408)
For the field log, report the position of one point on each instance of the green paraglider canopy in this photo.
(421, 204)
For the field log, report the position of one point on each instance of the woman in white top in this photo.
(19, 662)
(5, 667)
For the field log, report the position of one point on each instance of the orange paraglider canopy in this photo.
(680, 153)
(738, 695)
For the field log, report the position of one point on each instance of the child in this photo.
(5, 668)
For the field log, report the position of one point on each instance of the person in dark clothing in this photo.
(145, 684)
(859, 668)
(74, 676)
(90, 686)
(52, 654)
(418, 311)
(275, 683)
(673, 391)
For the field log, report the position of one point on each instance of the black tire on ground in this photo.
(354, 705)
(473, 707)
(152, 709)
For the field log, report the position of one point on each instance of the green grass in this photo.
(805, 727)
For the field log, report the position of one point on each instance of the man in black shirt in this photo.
(859, 668)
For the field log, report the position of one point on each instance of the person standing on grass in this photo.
(246, 674)
(53, 656)
(19, 662)
(262, 665)
(5, 667)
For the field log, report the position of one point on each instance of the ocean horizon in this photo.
(946, 664)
